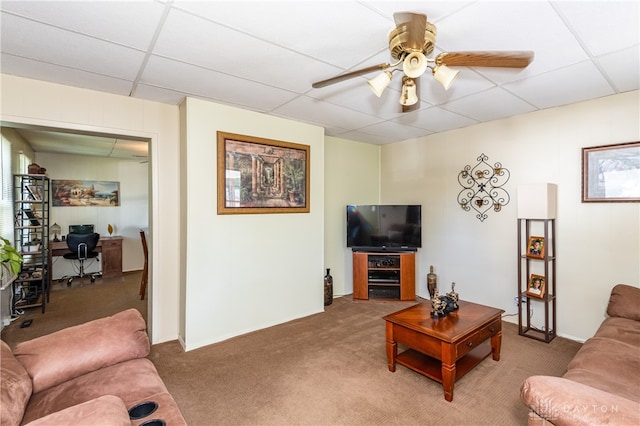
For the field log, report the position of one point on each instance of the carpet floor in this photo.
(325, 369)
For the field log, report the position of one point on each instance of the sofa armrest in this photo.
(624, 302)
(74, 351)
(564, 402)
(106, 410)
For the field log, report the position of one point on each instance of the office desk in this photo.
(111, 258)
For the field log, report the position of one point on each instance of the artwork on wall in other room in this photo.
(535, 247)
(257, 175)
(84, 193)
(536, 286)
(611, 173)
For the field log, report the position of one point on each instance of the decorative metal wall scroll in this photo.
(483, 187)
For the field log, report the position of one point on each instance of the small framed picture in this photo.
(535, 247)
(536, 286)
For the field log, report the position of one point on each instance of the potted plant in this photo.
(10, 259)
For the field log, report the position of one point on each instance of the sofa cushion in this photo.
(624, 302)
(130, 381)
(74, 351)
(621, 329)
(106, 410)
(609, 365)
(16, 387)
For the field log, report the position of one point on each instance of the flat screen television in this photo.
(384, 227)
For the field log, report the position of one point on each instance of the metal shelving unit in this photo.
(31, 238)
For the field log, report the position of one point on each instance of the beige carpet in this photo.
(77, 304)
(331, 369)
(326, 369)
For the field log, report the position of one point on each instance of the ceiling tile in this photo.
(131, 23)
(435, 119)
(390, 131)
(15, 65)
(561, 87)
(619, 19)
(489, 105)
(61, 47)
(158, 94)
(516, 25)
(222, 49)
(313, 111)
(349, 31)
(195, 81)
(623, 68)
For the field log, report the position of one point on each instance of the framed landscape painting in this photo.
(84, 193)
(611, 173)
(257, 175)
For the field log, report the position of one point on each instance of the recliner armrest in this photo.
(74, 351)
(107, 410)
(565, 402)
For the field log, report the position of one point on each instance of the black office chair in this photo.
(81, 247)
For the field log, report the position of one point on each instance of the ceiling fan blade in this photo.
(504, 59)
(409, 108)
(349, 75)
(416, 24)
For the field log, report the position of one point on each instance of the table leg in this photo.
(392, 348)
(448, 380)
(448, 369)
(496, 343)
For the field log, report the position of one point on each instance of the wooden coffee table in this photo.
(443, 349)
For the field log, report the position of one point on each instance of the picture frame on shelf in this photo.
(536, 247)
(610, 173)
(537, 286)
(258, 175)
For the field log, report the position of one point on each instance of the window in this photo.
(6, 227)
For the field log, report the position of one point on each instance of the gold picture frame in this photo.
(536, 247)
(537, 286)
(610, 173)
(258, 175)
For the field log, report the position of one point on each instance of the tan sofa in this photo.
(602, 382)
(90, 374)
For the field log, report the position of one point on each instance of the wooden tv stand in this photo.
(388, 275)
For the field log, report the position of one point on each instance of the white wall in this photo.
(598, 244)
(32, 102)
(126, 219)
(352, 176)
(244, 272)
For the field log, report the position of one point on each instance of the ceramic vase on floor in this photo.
(328, 288)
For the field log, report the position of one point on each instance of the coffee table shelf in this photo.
(432, 368)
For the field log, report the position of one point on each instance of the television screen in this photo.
(371, 227)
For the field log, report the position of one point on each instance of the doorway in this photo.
(69, 153)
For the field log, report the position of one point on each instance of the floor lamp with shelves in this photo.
(537, 265)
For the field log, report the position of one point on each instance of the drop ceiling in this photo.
(264, 55)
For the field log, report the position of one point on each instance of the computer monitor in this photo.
(81, 229)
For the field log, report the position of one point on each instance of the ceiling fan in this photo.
(410, 43)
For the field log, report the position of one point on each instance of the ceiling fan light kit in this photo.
(409, 95)
(380, 82)
(414, 64)
(445, 75)
(410, 43)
